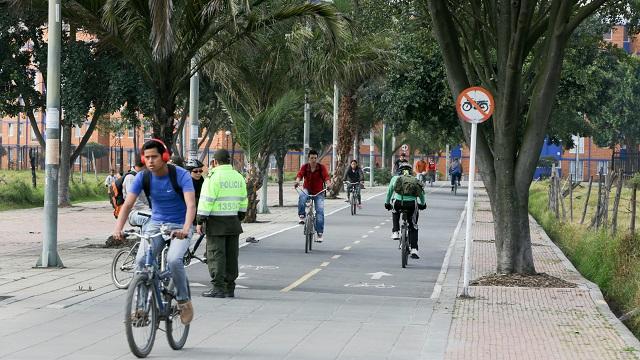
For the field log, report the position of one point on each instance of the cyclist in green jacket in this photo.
(398, 202)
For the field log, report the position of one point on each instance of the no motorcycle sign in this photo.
(475, 105)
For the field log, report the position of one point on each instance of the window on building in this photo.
(604, 165)
(608, 35)
(77, 162)
(579, 176)
(78, 131)
(118, 157)
(33, 135)
(10, 129)
(130, 133)
(147, 135)
(625, 36)
(579, 143)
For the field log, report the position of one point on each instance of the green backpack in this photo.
(408, 186)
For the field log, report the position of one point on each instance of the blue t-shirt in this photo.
(166, 205)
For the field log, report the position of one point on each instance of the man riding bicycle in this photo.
(173, 206)
(399, 162)
(354, 174)
(421, 170)
(431, 170)
(316, 177)
(455, 170)
(408, 203)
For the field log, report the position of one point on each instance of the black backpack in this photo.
(173, 177)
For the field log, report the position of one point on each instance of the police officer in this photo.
(222, 206)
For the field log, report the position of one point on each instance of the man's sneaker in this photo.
(395, 235)
(347, 200)
(319, 238)
(414, 254)
(186, 311)
(301, 219)
(452, 189)
(214, 293)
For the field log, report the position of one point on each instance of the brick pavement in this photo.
(532, 323)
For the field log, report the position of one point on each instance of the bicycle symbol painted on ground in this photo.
(368, 285)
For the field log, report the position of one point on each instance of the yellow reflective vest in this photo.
(224, 193)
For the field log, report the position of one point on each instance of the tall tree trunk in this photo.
(255, 177)
(136, 149)
(632, 225)
(65, 166)
(345, 139)
(32, 161)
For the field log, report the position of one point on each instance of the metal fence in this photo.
(627, 162)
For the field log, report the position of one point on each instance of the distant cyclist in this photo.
(400, 161)
(354, 174)
(316, 177)
(421, 170)
(455, 170)
(403, 194)
(431, 169)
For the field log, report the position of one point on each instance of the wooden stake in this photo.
(586, 203)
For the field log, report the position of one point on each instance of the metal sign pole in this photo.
(49, 256)
(468, 237)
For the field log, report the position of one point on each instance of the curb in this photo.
(594, 292)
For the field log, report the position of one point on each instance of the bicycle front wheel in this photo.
(177, 332)
(141, 316)
(122, 268)
(354, 202)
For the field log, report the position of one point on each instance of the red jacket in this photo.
(313, 180)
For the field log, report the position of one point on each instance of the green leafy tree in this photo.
(160, 38)
(516, 50)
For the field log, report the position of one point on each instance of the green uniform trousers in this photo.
(222, 260)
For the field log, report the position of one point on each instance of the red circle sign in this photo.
(475, 105)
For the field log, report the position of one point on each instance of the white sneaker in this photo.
(414, 254)
(395, 235)
(319, 238)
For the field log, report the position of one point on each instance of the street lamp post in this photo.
(227, 133)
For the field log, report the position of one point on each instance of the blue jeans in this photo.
(174, 255)
(319, 201)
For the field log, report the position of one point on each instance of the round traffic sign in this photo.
(475, 105)
(405, 147)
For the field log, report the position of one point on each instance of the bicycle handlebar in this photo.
(300, 191)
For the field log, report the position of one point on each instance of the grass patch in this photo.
(16, 191)
(607, 260)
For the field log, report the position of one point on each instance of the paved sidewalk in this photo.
(527, 323)
(82, 229)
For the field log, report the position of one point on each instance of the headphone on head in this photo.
(166, 155)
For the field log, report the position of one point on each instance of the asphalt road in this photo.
(358, 255)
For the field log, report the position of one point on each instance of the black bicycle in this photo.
(310, 221)
(354, 190)
(404, 245)
(124, 261)
(150, 300)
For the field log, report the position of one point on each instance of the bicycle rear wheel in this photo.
(404, 250)
(177, 332)
(123, 267)
(308, 235)
(141, 316)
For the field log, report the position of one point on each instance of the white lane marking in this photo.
(378, 275)
(347, 248)
(437, 288)
(365, 236)
(335, 256)
(357, 242)
(370, 231)
(304, 278)
(195, 284)
(324, 264)
(374, 285)
(377, 227)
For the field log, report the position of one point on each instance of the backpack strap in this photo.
(173, 177)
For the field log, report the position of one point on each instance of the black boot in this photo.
(214, 293)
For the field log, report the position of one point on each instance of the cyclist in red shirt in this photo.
(431, 166)
(316, 177)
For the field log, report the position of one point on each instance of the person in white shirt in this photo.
(141, 212)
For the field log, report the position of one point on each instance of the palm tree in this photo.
(161, 37)
(260, 98)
